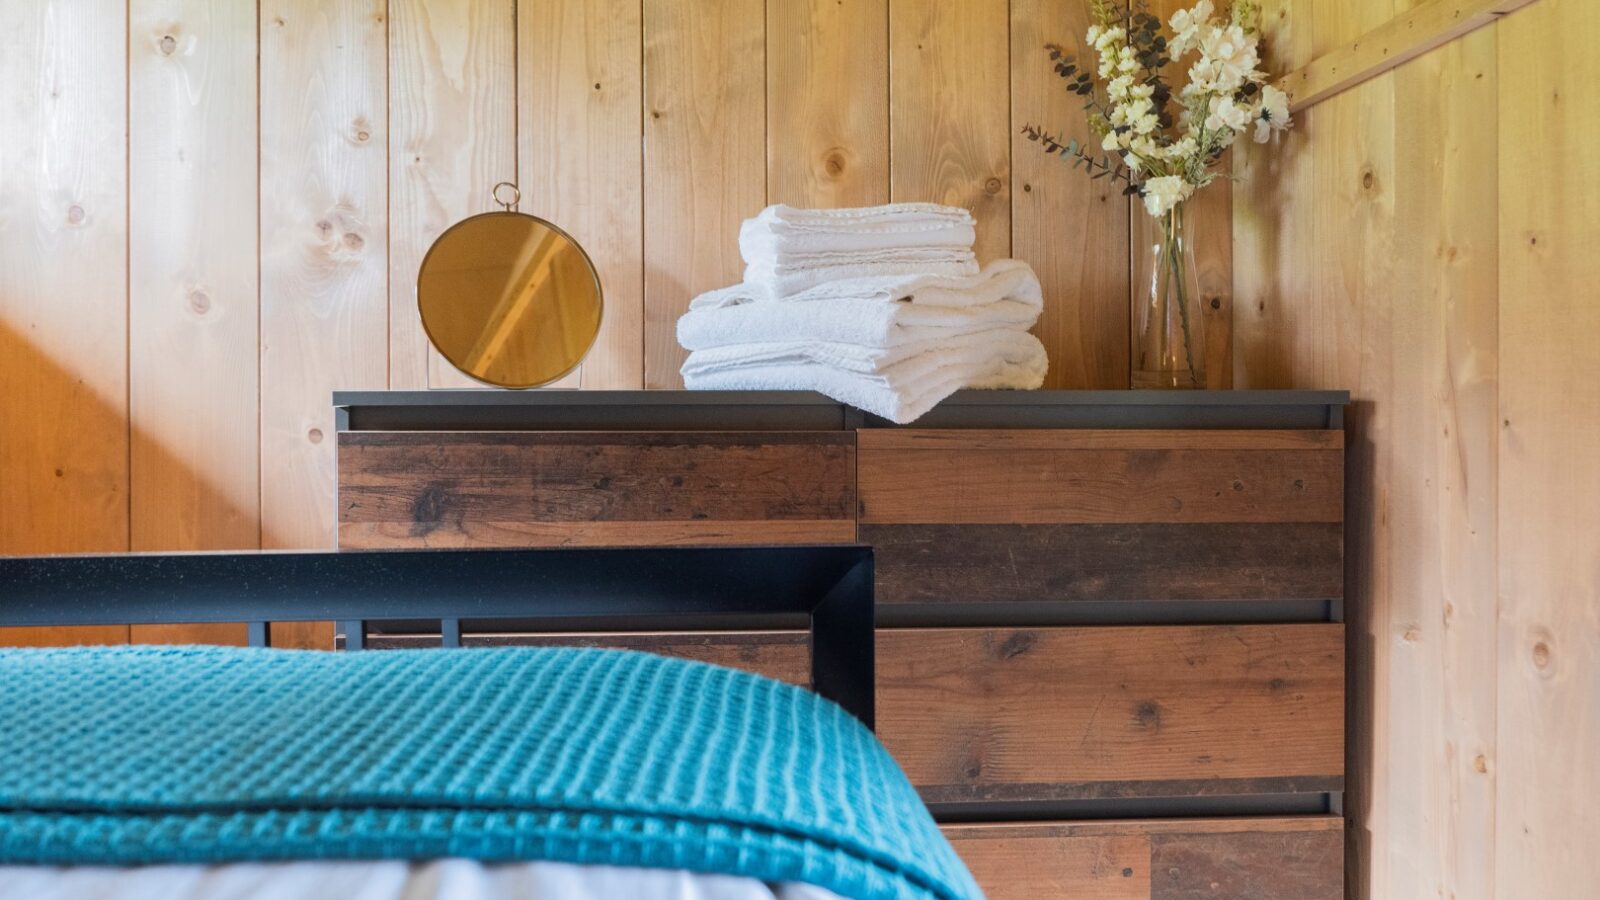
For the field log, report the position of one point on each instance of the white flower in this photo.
(1231, 54)
(1118, 88)
(1109, 37)
(1110, 143)
(1186, 24)
(1273, 114)
(1225, 113)
(1146, 123)
(1162, 194)
(1094, 35)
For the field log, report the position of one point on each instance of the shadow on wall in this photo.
(65, 488)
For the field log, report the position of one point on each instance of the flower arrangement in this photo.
(1162, 157)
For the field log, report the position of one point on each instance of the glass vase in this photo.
(1169, 346)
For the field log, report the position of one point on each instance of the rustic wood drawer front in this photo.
(784, 655)
(529, 489)
(1298, 858)
(992, 715)
(1089, 515)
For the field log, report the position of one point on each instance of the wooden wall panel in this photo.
(1547, 825)
(950, 127)
(704, 159)
(977, 715)
(452, 137)
(63, 286)
(1067, 226)
(580, 161)
(324, 263)
(828, 102)
(193, 292)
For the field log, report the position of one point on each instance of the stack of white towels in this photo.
(884, 308)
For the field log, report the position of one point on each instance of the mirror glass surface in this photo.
(509, 299)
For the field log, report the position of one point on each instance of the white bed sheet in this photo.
(448, 879)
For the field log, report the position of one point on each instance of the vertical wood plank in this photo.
(949, 120)
(704, 159)
(1072, 230)
(63, 287)
(324, 269)
(580, 162)
(1440, 502)
(452, 137)
(1273, 246)
(192, 291)
(828, 102)
(1548, 824)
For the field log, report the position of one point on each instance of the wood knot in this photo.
(75, 215)
(1277, 684)
(993, 186)
(1127, 872)
(314, 435)
(1541, 655)
(168, 44)
(1368, 179)
(1480, 764)
(428, 508)
(199, 302)
(353, 241)
(1018, 643)
(1238, 486)
(1147, 714)
(1216, 303)
(833, 163)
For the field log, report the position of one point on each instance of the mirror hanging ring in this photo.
(509, 299)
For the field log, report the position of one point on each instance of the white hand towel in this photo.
(999, 280)
(784, 219)
(902, 393)
(794, 274)
(846, 322)
(973, 348)
(761, 241)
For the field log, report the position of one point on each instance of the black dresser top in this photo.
(472, 410)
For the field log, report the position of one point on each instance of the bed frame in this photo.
(825, 589)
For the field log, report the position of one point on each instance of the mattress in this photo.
(158, 756)
(450, 879)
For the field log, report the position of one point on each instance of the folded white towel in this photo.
(1010, 344)
(999, 280)
(901, 393)
(794, 274)
(764, 241)
(846, 322)
(890, 217)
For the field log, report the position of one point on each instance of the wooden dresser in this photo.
(1109, 648)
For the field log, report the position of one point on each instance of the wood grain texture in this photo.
(950, 128)
(324, 263)
(1414, 32)
(1055, 713)
(452, 137)
(1144, 859)
(1548, 701)
(972, 480)
(828, 102)
(192, 294)
(1056, 563)
(1065, 225)
(63, 286)
(704, 161)
(784, 655)
(580, 161)
(543, 488)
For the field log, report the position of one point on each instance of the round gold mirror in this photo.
(509, 299)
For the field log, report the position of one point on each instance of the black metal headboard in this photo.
(825, 588)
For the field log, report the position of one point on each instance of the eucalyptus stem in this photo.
(1174, 254)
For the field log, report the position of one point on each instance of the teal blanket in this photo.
(123, 756)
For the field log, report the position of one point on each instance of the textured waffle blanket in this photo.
(122, 756)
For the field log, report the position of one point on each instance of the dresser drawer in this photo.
(1294, 858)
(549, 488)
(784, 655)
(983, 715)
(1083, 515)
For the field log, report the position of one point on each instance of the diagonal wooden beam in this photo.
(1402, 38)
